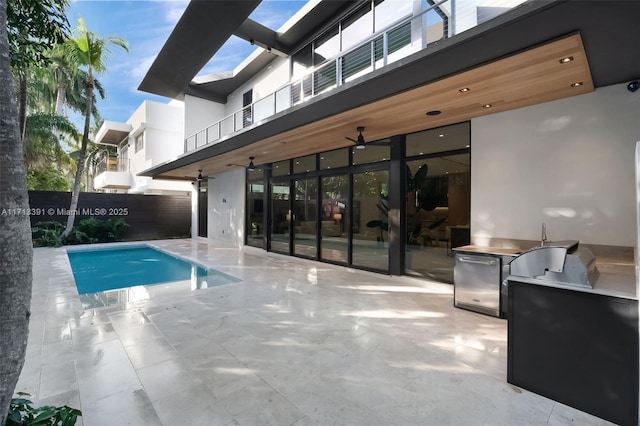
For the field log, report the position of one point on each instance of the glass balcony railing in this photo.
(113, 164)
(439, 21)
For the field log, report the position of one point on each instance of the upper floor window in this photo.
(247, 112)
(357, 26)
(388, 12)
(350, 31)
(123, 149)
(139, 142)
(327, 46)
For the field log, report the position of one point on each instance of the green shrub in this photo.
(22, 413)
(76, 236)
(116, 227)
(87, 231)
(47, 234)
(103, 231)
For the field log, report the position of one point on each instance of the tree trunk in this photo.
(61, 95)
(75, 194)
(16, 254)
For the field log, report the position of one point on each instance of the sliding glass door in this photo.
(335, 222)
(280, 217)
(371, 220)
(305, 215)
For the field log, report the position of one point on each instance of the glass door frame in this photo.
(349, 171)
(294, 218)
(272, 181)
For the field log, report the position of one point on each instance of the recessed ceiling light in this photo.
(467, 146)
(464, 90)
(441, 136)
(297, 162)
(566, 59)
(486, 106)
(434, 112)
(421, 153)
(577, 84)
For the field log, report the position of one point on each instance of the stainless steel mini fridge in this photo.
(477, 280)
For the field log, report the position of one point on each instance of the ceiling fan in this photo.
(360, 143)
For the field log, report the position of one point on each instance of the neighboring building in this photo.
(152, 135)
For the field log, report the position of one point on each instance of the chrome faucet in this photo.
(544, 234)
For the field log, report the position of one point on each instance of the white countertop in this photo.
(616, 280)
(498, 251)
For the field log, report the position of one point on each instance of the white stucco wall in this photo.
(162, 126)
(200, 113)
(226, 208)
(568, 163)
(466, 11)
(264, 83)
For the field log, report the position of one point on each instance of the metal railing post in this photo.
(372, 53)
(385, 48)
(452, 19)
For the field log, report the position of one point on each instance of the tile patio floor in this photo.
(295, 342)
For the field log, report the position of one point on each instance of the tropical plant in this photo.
(96, 156)
(87, 51)
(103, 231)
(43, 141)
(381, 224)
(16, 253)
(88, 231)
(48, 179)
(47, 234)
(23, 413)
(61, 85)
(420, 198)
(33, 27)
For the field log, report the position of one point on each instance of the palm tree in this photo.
(87, 51)
(43, 144)
(33, 28)
(16, 254)
(63, 82)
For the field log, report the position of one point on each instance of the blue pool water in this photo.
(98, 270)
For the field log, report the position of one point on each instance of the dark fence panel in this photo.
(149, 216)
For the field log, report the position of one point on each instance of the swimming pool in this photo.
(122, 274)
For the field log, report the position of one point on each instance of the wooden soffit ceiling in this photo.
(526, 78)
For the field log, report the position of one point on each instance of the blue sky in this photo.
(146, 25)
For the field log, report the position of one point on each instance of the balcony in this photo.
(440, 21)
(113, 173)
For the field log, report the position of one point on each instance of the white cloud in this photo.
(140, 70)
(174, 10)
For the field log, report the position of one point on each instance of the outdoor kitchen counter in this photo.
(578, 345)
(497, 251)
(617, 277)
(616, 280)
